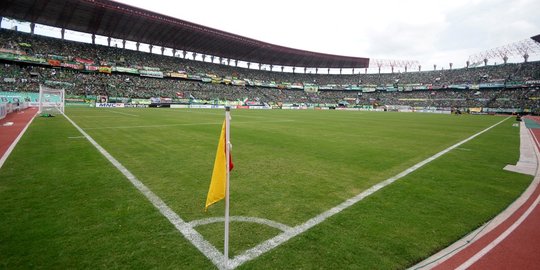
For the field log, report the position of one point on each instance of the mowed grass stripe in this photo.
(302, 168)
(343, 156)
(320, 159)
(62, 205)
(278, 240)
(415, 216)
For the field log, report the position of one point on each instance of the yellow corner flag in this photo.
(216, 192)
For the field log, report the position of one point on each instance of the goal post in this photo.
(51, 100)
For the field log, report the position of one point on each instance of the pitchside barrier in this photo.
(10, 107)
(260, 107)
(205, 106)
(178, 106)
(3, 110)
(24, 106)
(7, 108)
(117, 105)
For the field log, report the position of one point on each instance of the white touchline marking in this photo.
(12, 146)
(285, 236)
(270, 223)
(499, 239)
(183, 227)
(526, 138)
(188, 124)
(508, 231)
(123, 113)
(212, 253)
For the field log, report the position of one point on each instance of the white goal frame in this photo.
(45, 101)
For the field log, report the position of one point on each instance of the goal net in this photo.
(51, 100)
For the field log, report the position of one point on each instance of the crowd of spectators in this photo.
(24, 77)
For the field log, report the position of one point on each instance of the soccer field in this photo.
(64, 205)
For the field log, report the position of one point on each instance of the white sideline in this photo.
(522, 199)
(12, 146)
(526, 145)
(288, 232)
(183, 227)
(285, 236)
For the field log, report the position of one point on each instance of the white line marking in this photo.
(285, 236)
(212, 253)
(123, 113)
(12, 146)
(526, 148)
(188, 124)
(76, 137)
(267, 222)
(499, 239)
(183, 227)
(510, 229)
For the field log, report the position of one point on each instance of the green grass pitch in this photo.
(63, 205)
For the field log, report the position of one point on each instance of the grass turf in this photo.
(66, 206)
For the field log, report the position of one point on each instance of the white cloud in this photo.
(432, 32)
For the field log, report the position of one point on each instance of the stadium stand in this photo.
(89, 71)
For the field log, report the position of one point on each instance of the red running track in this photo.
(514, 244)
(10, 133)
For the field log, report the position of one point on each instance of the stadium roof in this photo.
(536, 38)
(117, 20)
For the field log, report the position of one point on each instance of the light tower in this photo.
(523, 48)
(392, 64)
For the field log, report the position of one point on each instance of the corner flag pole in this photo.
(228, 156)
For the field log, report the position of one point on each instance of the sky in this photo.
(428, 31)
(431, 32)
